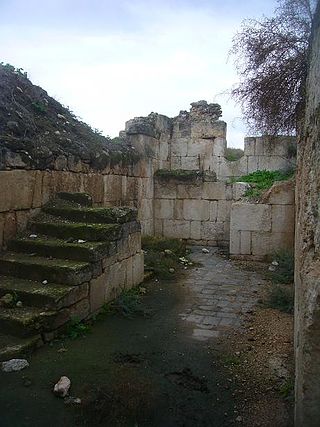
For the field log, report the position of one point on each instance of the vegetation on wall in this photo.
(262, 180)
(233, 154)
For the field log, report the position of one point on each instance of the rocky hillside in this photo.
(36, 131)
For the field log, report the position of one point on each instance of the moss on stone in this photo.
(179, 174)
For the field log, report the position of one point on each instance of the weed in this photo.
(284, 271)
(286, 389)
(281, 297)
(262, 180)
(77, 329)
(164, 257)
(129, 302)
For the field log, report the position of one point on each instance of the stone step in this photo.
(58, 248)
(82, 199)
(87, 232)
(12, 347)
(49, 296)
(39, 269)
(114, 215)
(29, 321)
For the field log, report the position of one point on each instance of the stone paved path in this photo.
(219, 294)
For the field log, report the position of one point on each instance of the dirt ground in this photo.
(148, 371)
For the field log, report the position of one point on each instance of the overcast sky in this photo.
(113, 60)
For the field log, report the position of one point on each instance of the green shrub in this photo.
(284, 271)
(281, 297)
(262, 180)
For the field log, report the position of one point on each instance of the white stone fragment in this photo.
(62, 387)
(205, 251)
(14, 365)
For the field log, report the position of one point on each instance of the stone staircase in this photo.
(71, 260)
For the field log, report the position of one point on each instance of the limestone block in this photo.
(147, 188)
(146, 209)
(177, 229)
(137, 268)
(190, 162)
(259, 150)
(253, 164)
(212, 230)
(239, 189)
(93, 184)
(112, 188)
(197, 210)
(165, 190)
(235, 242)
(189, 191)
(175, 162)
(179, 147)
(134, 242)
(164, 150)
(37, 194)
(245, 242)
(261, 244)
(249, 146)
(213, 209)
(219, 146)
(158, 228)
(224, 210)
(194, 148)
(147, 227)
(283, 241)
(283, 218)
(214, 191)
(250, 217)
(195, 230)
(129, 272)
(123, 250)
(79, 311)
(97, 291)
(281, 193)
(178, 210)
(22, 218)
(163, 208)
(17, 188)
(10, 226)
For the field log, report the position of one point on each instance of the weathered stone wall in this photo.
(260, 229)
(23, 192)
(196, 140)
(194, 208)
(307, 260)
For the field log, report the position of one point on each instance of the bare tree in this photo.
(271, 61)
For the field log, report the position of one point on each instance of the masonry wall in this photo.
(260, 229)
(197, 209)
(307, 259)
(23, 192)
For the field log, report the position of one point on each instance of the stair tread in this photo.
(27, 259)
(10, 284)
(51, 241)
(12, 346)
(25, 315)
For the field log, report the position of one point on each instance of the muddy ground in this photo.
(149, 371)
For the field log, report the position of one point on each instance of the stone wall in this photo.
(23, 192)
(307, 260)
(260, 229)
(196, 140)
(194, 207)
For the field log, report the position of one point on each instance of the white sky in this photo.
(111, 61)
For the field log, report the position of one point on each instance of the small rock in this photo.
(57, 132)
(19, 89)
(168, 252)
(205, 251)
(69, 400)
(33, 236)
(62, 387)
(171, 270)
(45, 282)
(61, 116)
(275, 263)
(19, 304)
(14, 365)
(81, 241)
(239, 419)
(272, 268)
